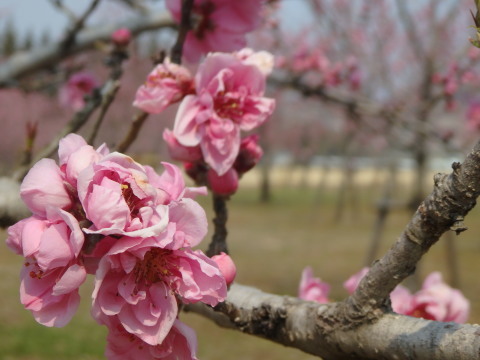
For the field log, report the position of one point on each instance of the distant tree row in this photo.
(11, 40)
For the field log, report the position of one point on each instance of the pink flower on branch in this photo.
(102, 213)
(218, 25)
(165, 85)
(137, 283)
(229, 99)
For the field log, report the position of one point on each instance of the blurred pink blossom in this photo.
(473, 116)
(165, 85)
(313, 289)
(219, 25)
(352, 282)
(71, 95)
(438, 301)
(435, 301)
(263, 60)
(121, 37)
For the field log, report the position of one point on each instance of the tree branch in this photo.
(307, 326)
(25, 63)
(453, 196)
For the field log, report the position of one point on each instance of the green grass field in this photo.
(271, 244)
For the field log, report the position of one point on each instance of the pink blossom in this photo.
(179, 152)
(137, 282)
(118, 199)
(313, 289)
(263, 60)
(218, 25)
(78, 85)
(435, 301)
(180, 343)
(473, 116)
(401, 299)
(249, 155)
(229, 99)
(43, 188)
(227, 267)
(438, 301)
(226, 184)
(165, 85)
(352, 283)
(51, 274)
(121, 37)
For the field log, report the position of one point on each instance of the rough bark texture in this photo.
(308, 326)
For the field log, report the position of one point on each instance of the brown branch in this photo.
(132, 134)
(453, 196)
(70, 36)
(219, 238)
(185, 26)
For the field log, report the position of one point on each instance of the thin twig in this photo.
(132, 134)
(61, 6)
(106, 102)
(114, 61)
(69, 39)
(185, 27)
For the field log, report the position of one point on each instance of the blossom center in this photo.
(154, 267)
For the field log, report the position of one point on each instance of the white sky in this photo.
(40, 16)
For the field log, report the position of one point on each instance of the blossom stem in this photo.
(132, 134)
(219, 238)
(185, 26)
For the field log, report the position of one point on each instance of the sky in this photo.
(39, 16)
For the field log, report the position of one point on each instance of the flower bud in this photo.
(227, 267)
(121, 37)
(249, 155)
(226, 184)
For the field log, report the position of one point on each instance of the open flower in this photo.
(137, 282)
(218, 25)
(229, 99)
(180, 343)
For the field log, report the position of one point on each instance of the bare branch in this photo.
(307, 326)
(132, 134)
(70, 36)
(25, 63)
(185, 26)
(453, 196)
